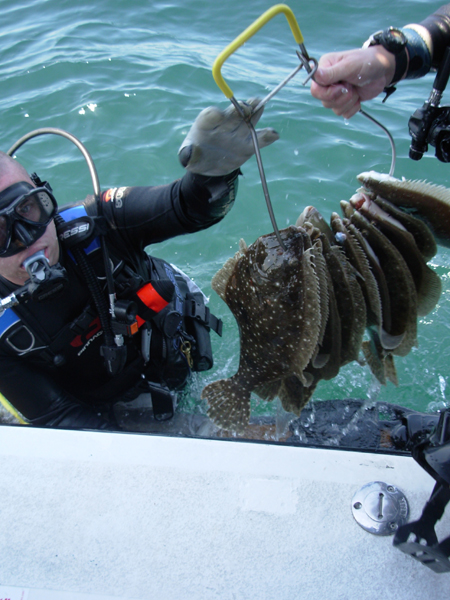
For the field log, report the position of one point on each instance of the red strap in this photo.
(150, 298)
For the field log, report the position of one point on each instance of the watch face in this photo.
(394, 40)
(395, 37)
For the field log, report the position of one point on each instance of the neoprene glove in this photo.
(220, 141)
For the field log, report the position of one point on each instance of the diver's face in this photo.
(11, 267)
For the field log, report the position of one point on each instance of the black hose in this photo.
(95, 289)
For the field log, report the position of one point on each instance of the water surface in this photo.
(129, 78)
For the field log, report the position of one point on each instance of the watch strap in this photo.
(395, 41)
(419, 53)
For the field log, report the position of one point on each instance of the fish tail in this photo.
(294, 395)
(374, 359)
(391, 371)
(229, 404)
(430, 292)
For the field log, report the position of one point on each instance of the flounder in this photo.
(427, 201)
(346, 291)
(274, 297)
(399, 281)
(427, 282)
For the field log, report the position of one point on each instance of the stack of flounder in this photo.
(334, 293)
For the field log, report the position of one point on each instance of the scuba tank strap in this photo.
(200, 312)
(79, 234)
(67, 335)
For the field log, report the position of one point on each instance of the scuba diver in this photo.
(89, 321)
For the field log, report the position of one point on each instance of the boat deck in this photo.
(94, 515)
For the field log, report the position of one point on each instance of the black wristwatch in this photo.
(394, 40)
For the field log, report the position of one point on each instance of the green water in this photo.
(128, 79)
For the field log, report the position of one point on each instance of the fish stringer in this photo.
(310, 65)
(388, 133)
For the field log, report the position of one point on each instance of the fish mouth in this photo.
(271, 256)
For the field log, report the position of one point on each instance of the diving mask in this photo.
(25, 212)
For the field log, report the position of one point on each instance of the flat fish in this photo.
(345, 327)
(427, 201)
(380, 361)
(326, 361)
(274, 297)
(399, 282)
(427, 282)
(325, 364)
(353, 311)
(311, 215)
(358, 259)
(422, 234)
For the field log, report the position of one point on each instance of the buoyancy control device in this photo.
(167, 310)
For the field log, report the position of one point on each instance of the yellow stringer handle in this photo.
(10, 408)
(246, 35)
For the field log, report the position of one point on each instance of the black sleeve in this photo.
(438, 24)
(154, 214)
(41, 401)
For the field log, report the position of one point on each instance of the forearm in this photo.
(345, 79)
(206, 200)
(437, 26)
(148, 215)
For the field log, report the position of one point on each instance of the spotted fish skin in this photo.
(274, 297)
(303, 312)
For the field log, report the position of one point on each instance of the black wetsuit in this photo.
(438, 24)
(70, 394)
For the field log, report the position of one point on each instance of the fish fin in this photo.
(220, 280)
(321, 274)
(268, 391)
(308, 348)
(294, 395)
(368, 284)
(374, 360)
(242, 246)
(359, 316)
(229, 404)
(429, 293)
(391, 371)
(327, 362)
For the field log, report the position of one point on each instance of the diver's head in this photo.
(26, 221)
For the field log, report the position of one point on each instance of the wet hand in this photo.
(345, 79)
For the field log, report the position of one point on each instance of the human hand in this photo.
(220, 141)
(345, 79)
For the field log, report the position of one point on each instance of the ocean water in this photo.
(129, 78)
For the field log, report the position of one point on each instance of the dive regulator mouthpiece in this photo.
(44, 282)
(36, 265)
